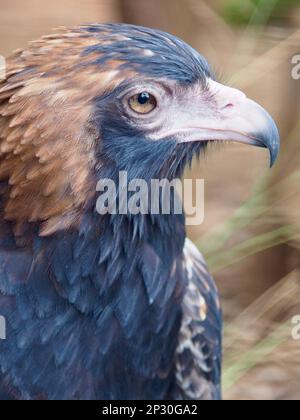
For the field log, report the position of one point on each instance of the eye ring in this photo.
(142, 103)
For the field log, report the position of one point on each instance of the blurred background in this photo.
(251, 233)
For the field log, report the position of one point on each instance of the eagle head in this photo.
(97, 99)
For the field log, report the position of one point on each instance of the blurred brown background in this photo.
(251, 235)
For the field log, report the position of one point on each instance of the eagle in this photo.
(108, 306)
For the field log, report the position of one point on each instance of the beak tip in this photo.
(274, 145)
(274, 148)
(270, 139)
(272, 161)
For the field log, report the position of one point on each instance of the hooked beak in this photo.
(233, 117)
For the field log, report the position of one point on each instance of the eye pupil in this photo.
(142, 103)
(143, 98)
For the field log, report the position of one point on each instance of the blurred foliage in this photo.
(256, 11)
(256, 209)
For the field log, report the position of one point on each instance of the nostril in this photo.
(228, 106)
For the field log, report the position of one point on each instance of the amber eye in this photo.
(143, 103)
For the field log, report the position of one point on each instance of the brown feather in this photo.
(47, 146)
